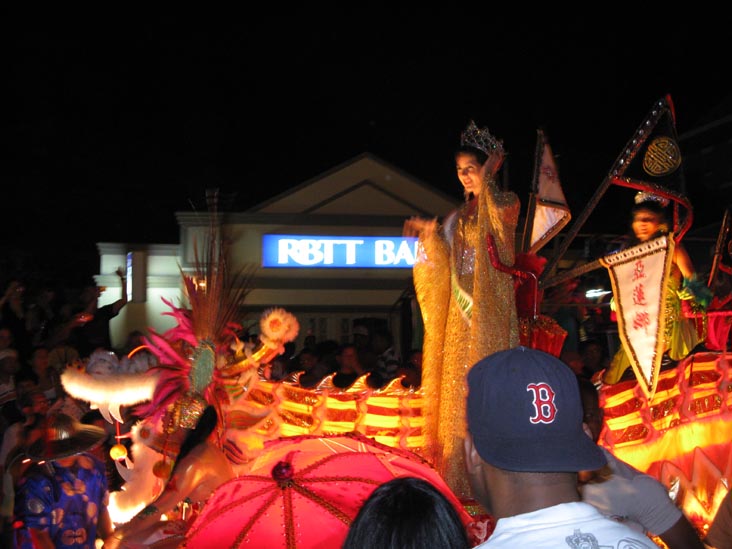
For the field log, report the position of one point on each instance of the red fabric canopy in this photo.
(304, 492)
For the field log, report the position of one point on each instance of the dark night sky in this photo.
(109, 128)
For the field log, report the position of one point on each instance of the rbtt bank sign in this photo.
(355, 252)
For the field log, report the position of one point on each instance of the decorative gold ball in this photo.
(118, 451)
(162, 469)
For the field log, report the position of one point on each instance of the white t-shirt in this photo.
(631, 497)
(572, 525)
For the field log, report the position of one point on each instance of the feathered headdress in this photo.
(199, 363)
(195, 355)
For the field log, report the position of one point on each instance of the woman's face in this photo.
(468, 171)
(645, 224)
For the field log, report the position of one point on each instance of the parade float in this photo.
(203, 359)
(674, 423)
(670, 419)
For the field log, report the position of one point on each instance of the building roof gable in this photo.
(363, 185)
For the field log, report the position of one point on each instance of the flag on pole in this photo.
(652, 157)
(548, 210)
(639, 276)
(722, 260)
(651, 162)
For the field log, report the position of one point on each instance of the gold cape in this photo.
(453, 266)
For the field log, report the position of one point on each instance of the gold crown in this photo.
(480, 139)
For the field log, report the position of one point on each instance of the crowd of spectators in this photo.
(368, 355)
(40, 335)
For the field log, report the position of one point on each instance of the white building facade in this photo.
(329, 250)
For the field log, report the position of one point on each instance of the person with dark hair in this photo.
(90, 327)
(623, 493)
(524, 449)
(276, 369)
(566, 304)
(34, 405)
(9, 387)
(41, 314)
(362, 341)
(314, 367)
(411, 370)
(387, 359)
(649, 221)
(594, 357)
(407, 513)
(13, 317)
(307, 360)
(199, 468)
(61, 500)
(468, 305)
(46, 378)
(349, 366)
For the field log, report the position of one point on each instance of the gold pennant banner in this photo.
(639, 276)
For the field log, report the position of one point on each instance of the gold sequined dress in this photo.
(469, 311)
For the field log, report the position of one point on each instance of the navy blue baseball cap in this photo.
(525, 414)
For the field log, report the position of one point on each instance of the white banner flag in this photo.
(639, 276)
(551, 212)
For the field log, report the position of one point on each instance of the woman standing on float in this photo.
(649, 221)
(468, 307)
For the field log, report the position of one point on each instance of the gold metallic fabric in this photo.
(453, 342)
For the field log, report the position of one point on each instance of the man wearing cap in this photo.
(61, 500)
(524, 448)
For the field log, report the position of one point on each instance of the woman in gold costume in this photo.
(468, 307)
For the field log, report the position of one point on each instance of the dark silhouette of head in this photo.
(406, 513)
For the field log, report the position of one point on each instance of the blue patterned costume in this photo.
(65, 502)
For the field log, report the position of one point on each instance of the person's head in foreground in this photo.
(406, 513)
(525, 416)
(524, 448)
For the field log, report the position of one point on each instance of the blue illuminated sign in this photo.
(326, 251)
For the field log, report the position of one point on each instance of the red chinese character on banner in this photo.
(639, 271)
(641, 320)
(639, 295)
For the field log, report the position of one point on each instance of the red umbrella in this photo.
(303, 492)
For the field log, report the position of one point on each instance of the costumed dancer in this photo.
(202, 370)
(680, 336)
(199, 467)
(468, 306)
